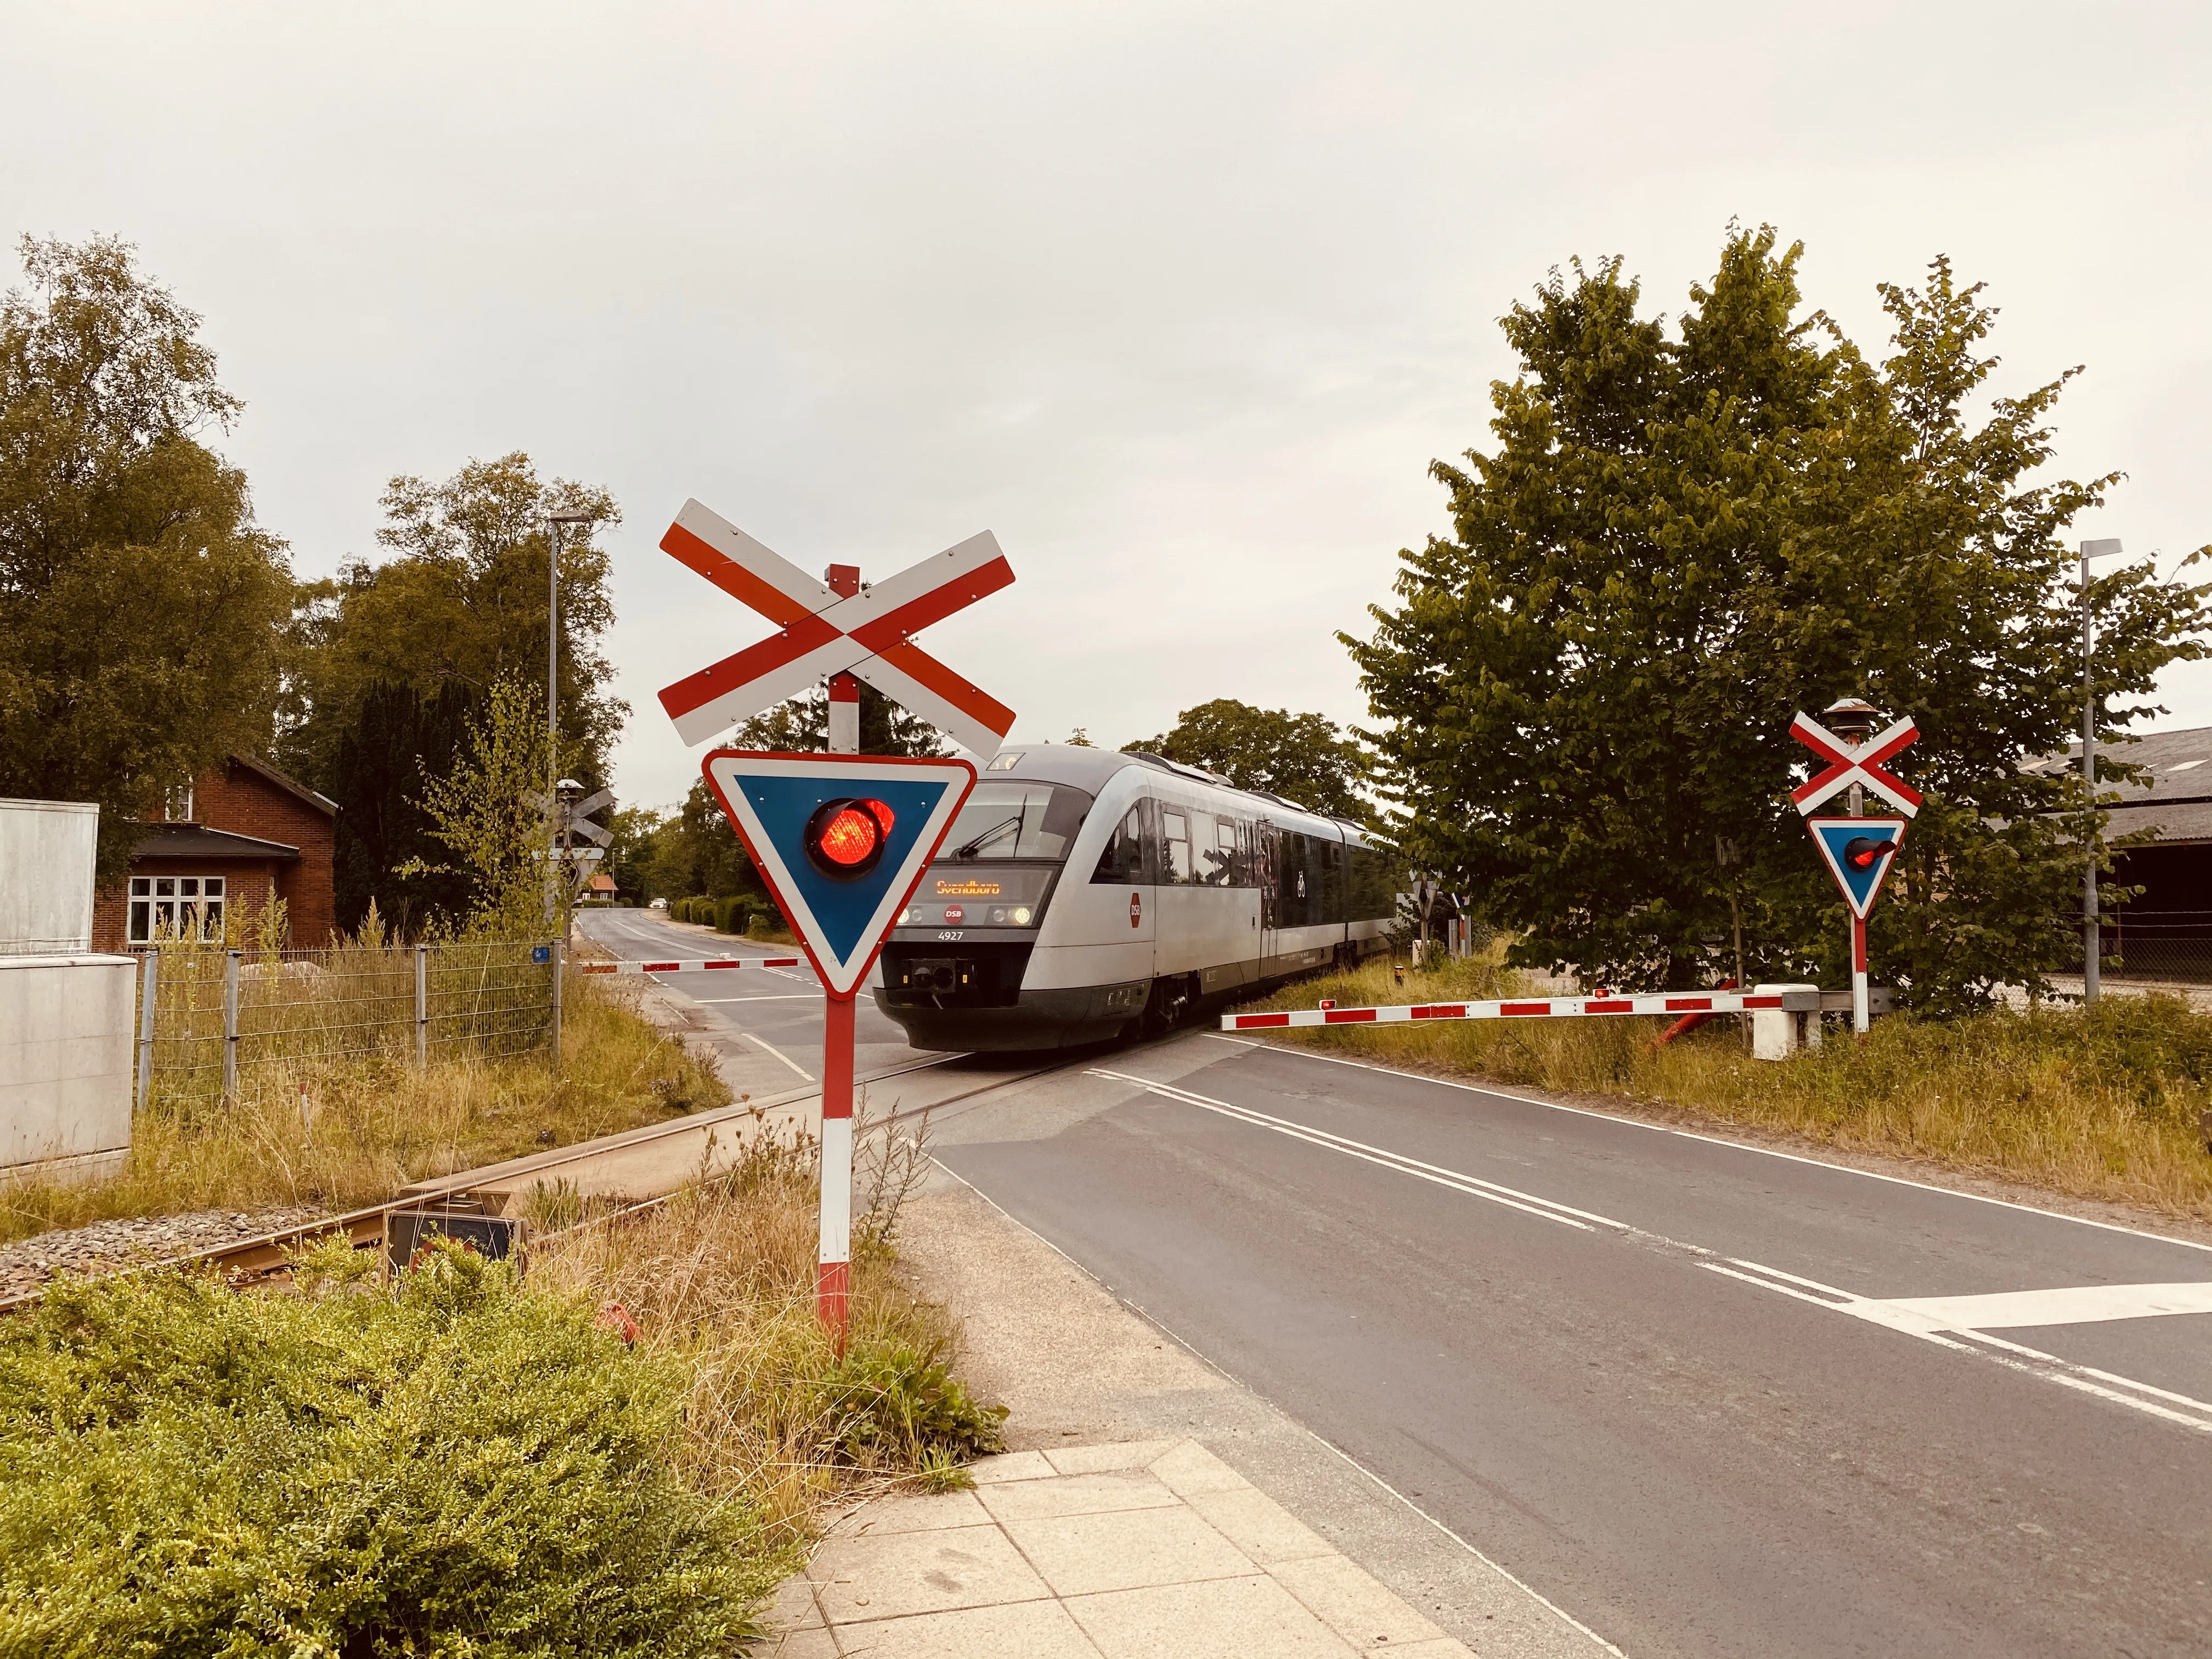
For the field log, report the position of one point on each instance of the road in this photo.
(1709, 1399)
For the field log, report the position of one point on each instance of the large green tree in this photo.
(1684, 534)
(1305, 758)
(394, 662)
(140, 605)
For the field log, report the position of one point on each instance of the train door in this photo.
(1266, 852)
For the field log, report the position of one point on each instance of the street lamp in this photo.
(2092, 930)
(553, 817)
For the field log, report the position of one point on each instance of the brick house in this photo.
(242, 831)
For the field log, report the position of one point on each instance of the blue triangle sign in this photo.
(840, 918)
(1854, 851)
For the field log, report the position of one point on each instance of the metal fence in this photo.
(208, 1015)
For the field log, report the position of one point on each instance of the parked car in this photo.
(658, 904)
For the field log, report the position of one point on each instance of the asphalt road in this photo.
(1707, 1399)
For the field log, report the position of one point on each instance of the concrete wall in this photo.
(46, 874)
(65, 1059)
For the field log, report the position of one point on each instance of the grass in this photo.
(621, 1453)
(374, 1123)
(720, 1284)
(2101, 1104)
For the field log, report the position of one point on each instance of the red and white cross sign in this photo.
(870, 633)
(1848, 765)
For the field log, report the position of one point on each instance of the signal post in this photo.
(839, 841)
(1859, 850)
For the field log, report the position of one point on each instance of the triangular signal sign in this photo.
(1853, 849)
(903, 809)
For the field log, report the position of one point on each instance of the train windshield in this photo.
(1008, 819)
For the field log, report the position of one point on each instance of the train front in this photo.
(953, 966)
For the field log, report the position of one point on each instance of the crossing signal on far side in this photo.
(1865, 852)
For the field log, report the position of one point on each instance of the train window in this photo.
(1122, 858)
(1373, 891)
(1333, 884)
(1174, 839)
(1005, 819)
(1224, 870)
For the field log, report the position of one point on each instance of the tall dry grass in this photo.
(368, 1125)
(721, 1281)
(2102, 1104)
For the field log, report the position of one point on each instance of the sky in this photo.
(1180, 301)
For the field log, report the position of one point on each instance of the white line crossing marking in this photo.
(763, 1043)
(2075, 1305)
(1935, 1320)
(780, 996)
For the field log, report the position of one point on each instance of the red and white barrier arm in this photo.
(688, 967)
(1716, 1002)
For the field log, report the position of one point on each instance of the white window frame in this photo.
(176, 907)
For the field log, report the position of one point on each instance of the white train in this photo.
(1083, 894)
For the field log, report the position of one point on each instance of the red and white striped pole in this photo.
(833, 1280)
(1860, 1019)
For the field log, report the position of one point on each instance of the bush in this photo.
(453, 1466)
(729, 914)
(763, 924)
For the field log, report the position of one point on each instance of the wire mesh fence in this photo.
(214, 1014)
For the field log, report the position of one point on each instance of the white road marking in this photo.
(763, 1043)
(2077, 1305)
(1931, 1319)
(1713, 1140)
(794, 996)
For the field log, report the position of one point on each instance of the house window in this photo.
(177, 808)
(175, 907)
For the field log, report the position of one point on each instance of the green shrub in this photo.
(900, 1405)
(762, 925)
(451, 1466)
(729, 914)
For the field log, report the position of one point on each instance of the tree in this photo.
(1681, 537)
(485, 807)
(393, 663)
(140, 605)
(802, 726)
(1304, 758)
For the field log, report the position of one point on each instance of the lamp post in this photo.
(553, 817)
(2092, 930)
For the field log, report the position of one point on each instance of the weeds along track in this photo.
(245, 1261)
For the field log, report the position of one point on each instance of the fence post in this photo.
(556, 1007)
(422, 1006)
(149, 986)
(232, 959)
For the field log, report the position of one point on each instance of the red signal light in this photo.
(1863, 852)
(845, 838)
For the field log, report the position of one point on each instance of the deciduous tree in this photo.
(1684, 534)
(1304, 758)
(140, 605)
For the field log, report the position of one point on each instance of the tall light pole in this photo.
(554, 873)
(2092, 939)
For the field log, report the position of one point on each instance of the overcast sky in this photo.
(1180, 300)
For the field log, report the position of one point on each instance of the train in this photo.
(1083, 895)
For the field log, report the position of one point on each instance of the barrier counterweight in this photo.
(1716, 1002)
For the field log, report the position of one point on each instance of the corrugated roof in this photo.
(2177, 796)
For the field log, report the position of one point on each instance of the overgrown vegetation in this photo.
(373, 1124)
(2102, 1104)
(620, 1455)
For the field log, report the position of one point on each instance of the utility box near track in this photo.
(46, 875)
(65, 1060)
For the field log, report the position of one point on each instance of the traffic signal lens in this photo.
(851, 836)
(845, 838)
(1863, 852)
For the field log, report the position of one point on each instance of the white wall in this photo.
(46, 874)
(65, 1056)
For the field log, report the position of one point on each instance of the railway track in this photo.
(245, 1261)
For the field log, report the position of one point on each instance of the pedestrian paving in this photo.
(1142, 1549)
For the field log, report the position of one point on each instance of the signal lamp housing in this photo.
(1864, 852)
(845, 837)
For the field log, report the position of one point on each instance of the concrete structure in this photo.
(242, 832)
(66, 1060)
(46, 849)
(1778, 1033)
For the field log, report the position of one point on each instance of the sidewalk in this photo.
(1115, 1552)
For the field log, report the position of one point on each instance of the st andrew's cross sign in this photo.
(869, 633)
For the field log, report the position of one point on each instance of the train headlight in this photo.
(1019, 915)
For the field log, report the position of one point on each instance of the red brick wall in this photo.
(237, 799)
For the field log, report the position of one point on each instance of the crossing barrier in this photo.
(1713, 1002)
(688, 967)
